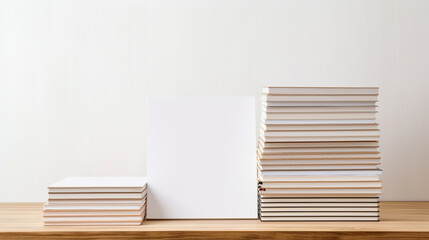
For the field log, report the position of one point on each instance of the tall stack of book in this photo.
(96, 201)
(318, 155)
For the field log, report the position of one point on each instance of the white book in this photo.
(317, 127)
(317, 167)
(318, 104)
(375, 133)
(317, 178)
(311, 205)
(96, 195)
(99, 184)
(375, 184)
(95, 202)
(321, 200)
(307, 219)
(321, 90)
(318, 109)
(305, 191)
(49, 207)
(319, 162)
(93, 213)
(321, 195)
(322, 214)
(320, 139)
(326, 150)
(319, 121)
(292, 210)
(321, 156)
(98, 190)
(316, 144)
(94, 219)
(323, 173)
(93, 223)
(321, 116)
(321, 98)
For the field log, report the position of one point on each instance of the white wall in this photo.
(74, 76)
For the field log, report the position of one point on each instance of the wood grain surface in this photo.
(399, 220)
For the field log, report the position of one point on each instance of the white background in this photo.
(74, 76)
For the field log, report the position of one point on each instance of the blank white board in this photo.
(201, 157)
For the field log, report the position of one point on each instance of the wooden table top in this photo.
(398, 220)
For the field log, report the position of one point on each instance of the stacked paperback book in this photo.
(96, 201)
(318, 155)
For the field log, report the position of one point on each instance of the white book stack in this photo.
(318, 154)
(96, 201)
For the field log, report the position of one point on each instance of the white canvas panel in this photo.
(201, 160)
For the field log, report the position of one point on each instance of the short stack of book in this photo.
(318, 154)
(96, 201)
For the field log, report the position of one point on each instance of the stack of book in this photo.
(96, 201)
(318, 155)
